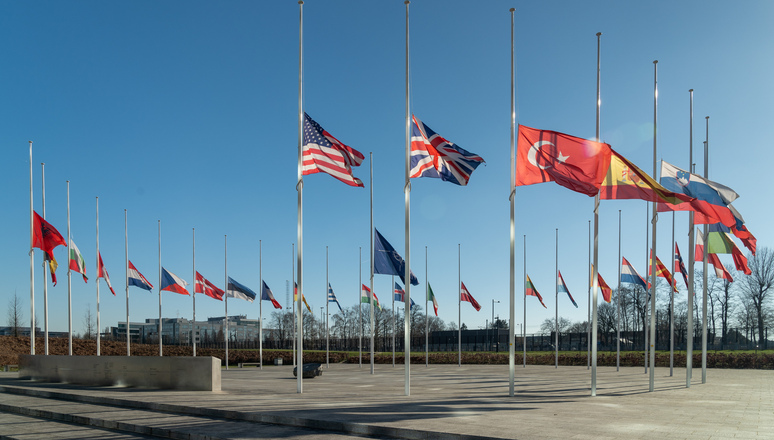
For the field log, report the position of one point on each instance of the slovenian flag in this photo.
(563, 288)
(172, 282)
(630, 275)
(711, 198)
(267, 295)
(136, 279)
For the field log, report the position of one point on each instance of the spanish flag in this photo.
(625, 181)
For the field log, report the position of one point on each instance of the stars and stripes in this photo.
(434, 156)
(323, 153)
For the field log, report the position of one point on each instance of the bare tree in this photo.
(548, 326)
(756, 287)
(88, 324)
(724, 296)
(15, 314)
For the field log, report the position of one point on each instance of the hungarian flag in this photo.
(173, 283)
(268, 295)
(563, 287)
(204, 286)
(661, 271)
(680, 266)
(45, 237)
(431, 297)
(104, 274)
(572, 162)
(530, 290)
(625, 181)
(323, 153)
(434, 156)
(303, 297)
(77, 262)
(466, 296)
(366, 295)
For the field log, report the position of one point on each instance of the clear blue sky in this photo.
(186, 112)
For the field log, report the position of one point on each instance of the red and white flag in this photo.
(466, 296)
(104, 274)
(206, 287)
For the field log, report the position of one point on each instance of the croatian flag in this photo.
(400, 295)
(267, 295)
(237, 290)
(434, 156)
(136, 279)
(563, 287)
(630, 275)
(332, 297)
(172, 282)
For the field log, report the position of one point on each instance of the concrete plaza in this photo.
(446, 401)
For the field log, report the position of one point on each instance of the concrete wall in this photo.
(201, 373)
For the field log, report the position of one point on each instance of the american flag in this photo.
(203, 285)
(324, 153)
(434, 156)
(466, 296)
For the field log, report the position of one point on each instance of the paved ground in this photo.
(446, 401)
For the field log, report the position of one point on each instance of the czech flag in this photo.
(172, 282)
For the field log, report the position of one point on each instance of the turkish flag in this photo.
(550, 156)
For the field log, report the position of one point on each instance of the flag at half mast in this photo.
(237, 290)
(366, 295)
(173, 283)
(431, 297)
(530, 290)
(77, 263)
(332, 297)
(434, 156)
(136, 279)
(323, 153)
(400, 295)
(466, 296)
(563, 288)
(268, 295)
(104, 274)
(203, 285)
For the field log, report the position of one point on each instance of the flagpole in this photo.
(649, 256)
(691, 263)
(672, 309)
(360, 306)
(193, 291)
(588, 309)
(161, 350)
(126, 266)
(327, 300)
(704, 283)
(69, 281)
(653, 242)
(524, 327)
(260, 306)
(371, 163)
(300, 188)
(407, 191)
(556, 319)
(32, 265)
(225, 297)
(45, 282)
(595, 278)
(459, 307)
(511, 196)
(427, 323)
(618, 303)
(96, 281)
(295, 292)
(392, 283)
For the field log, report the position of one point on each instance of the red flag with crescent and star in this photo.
(549, 156)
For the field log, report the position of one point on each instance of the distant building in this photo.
(180, 331)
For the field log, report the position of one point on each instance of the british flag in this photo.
(324, 153)
(434, 156)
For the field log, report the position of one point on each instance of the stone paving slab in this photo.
(472, 401)
(18, 427)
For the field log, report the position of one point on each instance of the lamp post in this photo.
(322, 323)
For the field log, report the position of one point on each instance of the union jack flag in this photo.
(434, 156)
(324, 153)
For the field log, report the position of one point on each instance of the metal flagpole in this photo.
(225, 297)
(45, 282)
(556, 318)
(648, 259)
(295, 292)
(69, 281)
(653, 242)
(126, 279)
(32, 265)
(407, 191)
(300, 189)
(161, 349)
(594, 265)
(96, 281)
(327, 301)
(691, 263)
(672, 308)
(360, 306)
(704, 283)
(427, 323)
(618, 303)
(524, 326)
(511, 196)
(371, 160)
(194, 332)
(588, 309)
(392, 283)
(260, 305)
(459, 307)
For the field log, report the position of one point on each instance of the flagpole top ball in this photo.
(706, 117)
(655, 61)
(300, 2)
(512, 9)
(690, 90)
(406, 2)
(599, 34)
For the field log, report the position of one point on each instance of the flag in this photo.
(661, 271)
(323, 153)
(607, 292)
(625, 181)
(136, 279)
(77, 263)
(52, 264)
(550, 156)
(530, 290)
(45, 237)
(104, 274)
(203, 285)
(237, 290)
(629, 274)
(332, 297)
(303, 297)
(173, 283)
(739, 229)
(434, 156)
(563, 288)
(720, 270)
(365, 296)
(267, 295)
(710, 198)
(387, 261)
(431, 297)
(400, 295)
(680, 266)
(466, 296)
(720, 242)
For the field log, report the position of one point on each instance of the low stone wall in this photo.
(201, 373)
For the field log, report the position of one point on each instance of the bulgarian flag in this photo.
(431, 297)
(76, 261)
(532, 291)
(365, 296)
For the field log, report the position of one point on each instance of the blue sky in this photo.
(186, 112)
